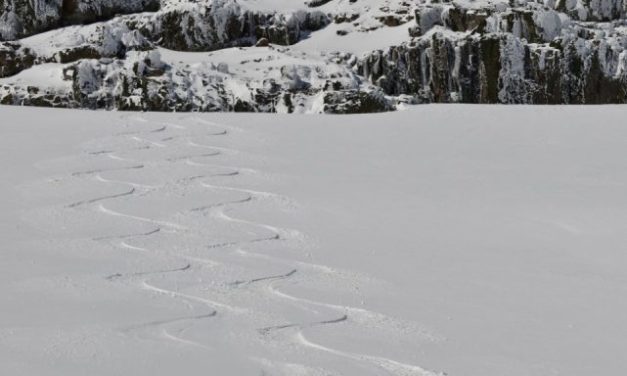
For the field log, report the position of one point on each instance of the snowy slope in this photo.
(435, 240)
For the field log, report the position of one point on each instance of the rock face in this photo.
(208, 26)
(14, 59)
(141, 81)
(529, 53)
(21, 18)
(499, 68)
(479, 51)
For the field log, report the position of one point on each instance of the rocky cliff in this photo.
(338, 56)
(528, 53)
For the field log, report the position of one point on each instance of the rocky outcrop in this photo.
(186, 26)
(534, 21)
(356, 102)
(85, 11)
(115, 64)
(143, 82)
(213, 25)
(500, 68)
(107, 40)
(21, 18)
(14, 58)
(591, 10)
(516, 51)
(206, 26)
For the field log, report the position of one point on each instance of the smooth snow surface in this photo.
(471, 241)
(50, 73)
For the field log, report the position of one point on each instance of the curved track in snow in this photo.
(206, 257)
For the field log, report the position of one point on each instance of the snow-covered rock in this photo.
(501, 68)
(20, 18)
(321, 56)
(214, 24)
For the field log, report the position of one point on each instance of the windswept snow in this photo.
(437, 240)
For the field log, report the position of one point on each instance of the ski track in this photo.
(102, 198)
(145, 187)
(388, 365)
(153, 143)
(138, 274)
(146, 280)
(100, 170)
(221, 204)
(162, 224)
(185, 157)
(127, 236)
(273, 277)
(268, 329)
